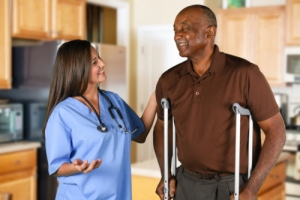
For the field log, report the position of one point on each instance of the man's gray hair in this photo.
(209, 15)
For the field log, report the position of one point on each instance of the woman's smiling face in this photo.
(97, 73)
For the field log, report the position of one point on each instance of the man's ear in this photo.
(210, 32)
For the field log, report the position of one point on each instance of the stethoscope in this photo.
(102, 127)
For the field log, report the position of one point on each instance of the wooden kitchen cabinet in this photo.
(276, 193)
(70, 20)
(48, 19)
(18, 174)
(234, 32)
(5, 45)
(256, 34)
(292, 22)
(31, 19)
(273, 187)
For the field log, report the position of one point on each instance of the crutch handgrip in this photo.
(165, 103)
(237, 109)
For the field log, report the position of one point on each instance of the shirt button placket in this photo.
(197, 91)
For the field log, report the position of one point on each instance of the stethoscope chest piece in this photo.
(102, 129)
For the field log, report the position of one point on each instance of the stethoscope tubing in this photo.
(102, 127)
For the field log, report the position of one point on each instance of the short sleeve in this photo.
(260, 98)
(133, 120)
(58, 144)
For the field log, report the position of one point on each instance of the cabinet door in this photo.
(5, 45)
(268, 32)
(276, 177)
(21, 185)
(277, 193)
(234, 32)
(18, 174)
(69, 19)
(256, 34)
(31, 19)
(293, 25)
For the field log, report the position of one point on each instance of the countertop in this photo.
(18, 146)
(150, 168)
(147, 168)
(292, 140)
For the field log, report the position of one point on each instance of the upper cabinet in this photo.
(48, 19)
(256, 34)
(293, 25)
(234, 35)
(5, 45)
(31, 19)
(70, 22)
(268, 32)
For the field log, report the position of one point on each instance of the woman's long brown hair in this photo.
(70, 73)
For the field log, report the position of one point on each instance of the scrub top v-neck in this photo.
(71, 133)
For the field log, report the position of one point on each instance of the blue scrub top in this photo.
(71, 133)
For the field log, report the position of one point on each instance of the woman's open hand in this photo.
(84, 166)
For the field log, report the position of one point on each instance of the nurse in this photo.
(88, 131)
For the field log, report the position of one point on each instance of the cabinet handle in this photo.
(274, 176)
(17, 162)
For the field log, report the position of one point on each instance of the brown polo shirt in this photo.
(202, 110)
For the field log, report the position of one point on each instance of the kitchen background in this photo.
(142, 31)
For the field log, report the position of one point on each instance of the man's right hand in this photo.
(172, 187)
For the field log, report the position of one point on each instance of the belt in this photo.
(217, 176)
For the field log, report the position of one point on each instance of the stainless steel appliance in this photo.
(35, 114)
(295, 120)
(294, 115)
(11, 122)
(32, 64)
(282, 101)
(291, 64)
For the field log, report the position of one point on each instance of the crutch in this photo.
(165, 106)
(238, 110)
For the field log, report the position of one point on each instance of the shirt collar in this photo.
(217, 63)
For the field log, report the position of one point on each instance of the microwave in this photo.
(35, 114)
(11, 122)
(291, 66)
(32, 64)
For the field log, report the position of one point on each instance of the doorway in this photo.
(157, 52)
